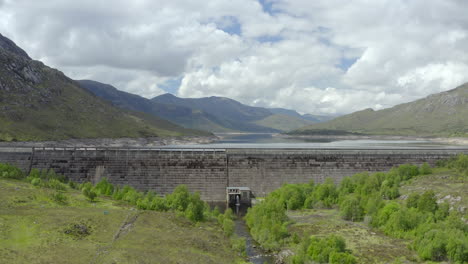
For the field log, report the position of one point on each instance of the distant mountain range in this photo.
(41, 103)
(442, 114)
(215, 114)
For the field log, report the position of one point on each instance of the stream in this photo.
(255, 254)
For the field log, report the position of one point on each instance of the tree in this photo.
(412, 201)
(350, 209)
(428, 202)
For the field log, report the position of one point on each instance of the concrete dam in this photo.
(211, 171)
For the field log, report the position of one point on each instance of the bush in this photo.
(159, 204)
(412, 200)
(89, 193)
(36, 182)
(56, 184)
(238, 245)
(267, 222)
(10, 172)
(195, 209)
(428, 202)
(408, 171)
(425, 169)
(179, 199)
(59, 198)
(321, 249)
(341, 258)
(103, 187)
(351, 210)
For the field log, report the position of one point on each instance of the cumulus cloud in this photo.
(323, 56)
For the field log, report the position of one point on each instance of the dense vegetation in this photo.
(437, 232)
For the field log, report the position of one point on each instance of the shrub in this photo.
(36, 182)
(321, 249)
(428, 202)
(159, 204)
(238, 245)
(10, 172)
(350, 209)
(103, 187)
(89, 193)
(341, 258)
(408, 171)
(59, 198)
(267, 222)
(56, 184)
(425, 169)
(179, 199)
(194, 211)
(412, 200)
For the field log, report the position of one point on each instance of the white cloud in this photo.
(296, 58)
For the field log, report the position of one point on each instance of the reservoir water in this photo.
(279, 141)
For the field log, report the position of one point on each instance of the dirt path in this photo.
(126, 226)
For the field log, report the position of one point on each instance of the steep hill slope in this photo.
(215, 114)
(41, 103)
(442, 114)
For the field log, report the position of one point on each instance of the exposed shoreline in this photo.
(152, 142)
(451, 141)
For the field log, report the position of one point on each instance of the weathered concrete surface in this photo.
(211, 171)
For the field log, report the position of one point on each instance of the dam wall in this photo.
(210, 171)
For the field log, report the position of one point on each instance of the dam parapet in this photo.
(212, 171)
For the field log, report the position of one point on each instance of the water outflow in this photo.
(254, 252)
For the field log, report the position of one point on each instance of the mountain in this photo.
(309, 117)
(226, 112)
(41, 103)
(442, 114)
(215, 114)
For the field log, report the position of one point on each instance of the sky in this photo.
(318, 57)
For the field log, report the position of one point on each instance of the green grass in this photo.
(369, 246)
(35, 229)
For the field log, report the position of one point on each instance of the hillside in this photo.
(41, 103)
(215, 114)
(44, 225)
(442, 114)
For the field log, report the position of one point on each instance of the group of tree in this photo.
(329, 249)
(180, 200)
(437, 232)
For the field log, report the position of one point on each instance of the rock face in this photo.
(8, 45)
(41, 103)
(442, 114)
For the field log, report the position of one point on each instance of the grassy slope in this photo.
(441, 114)
(283, 122)
(54, 107)
(370, 245)
(32, 230)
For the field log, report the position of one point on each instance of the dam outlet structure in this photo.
(214, 172)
